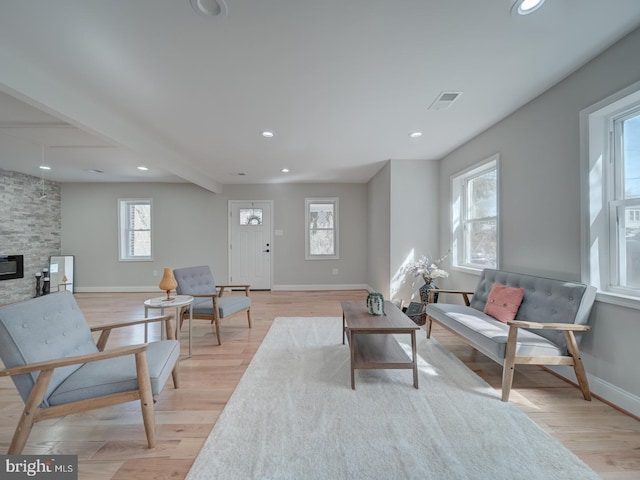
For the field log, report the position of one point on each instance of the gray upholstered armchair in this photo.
(209, 302)
(49, 351)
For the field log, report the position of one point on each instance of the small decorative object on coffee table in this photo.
(375, 303)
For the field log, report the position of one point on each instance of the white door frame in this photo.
(230, 204)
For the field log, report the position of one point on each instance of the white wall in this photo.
(539, 148)
(190, 228)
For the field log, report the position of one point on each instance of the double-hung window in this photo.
(474, 216)
(611, 202)
(321, 236)
(134, 218)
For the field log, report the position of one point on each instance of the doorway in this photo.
(250, 243)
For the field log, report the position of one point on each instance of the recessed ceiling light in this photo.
(45, 167)
(267, 134)
(143, 168)
(525, 7)
(285, 170)
(210, 8)
(415, 134)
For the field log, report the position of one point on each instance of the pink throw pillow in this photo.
(503, 302)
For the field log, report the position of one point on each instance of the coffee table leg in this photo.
(353, 355)
(343, 327)
(415, 360)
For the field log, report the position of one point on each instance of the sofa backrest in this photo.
(41, 329)
(545, 300)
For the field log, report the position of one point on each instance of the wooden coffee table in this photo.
(371, 340)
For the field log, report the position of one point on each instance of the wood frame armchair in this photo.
(61, 385)
(200, 284)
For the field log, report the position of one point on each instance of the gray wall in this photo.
(190, 228)
(403, 224)
(379, 231)
(290, 269)
(29, 226)
(414, 222)
(539, 148)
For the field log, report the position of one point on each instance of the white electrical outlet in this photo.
(155, 273)
(336, 271)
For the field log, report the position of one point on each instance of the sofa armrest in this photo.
(549, 326)
(465, 294)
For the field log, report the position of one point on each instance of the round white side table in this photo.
(176, 302)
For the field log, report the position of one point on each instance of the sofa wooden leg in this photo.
(249, 316)
(429, 324)
(578, 366)
(509, 366)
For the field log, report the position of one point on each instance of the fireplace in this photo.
(11, 266)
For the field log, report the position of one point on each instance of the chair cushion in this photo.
(488, 334)
(503, 302)
(227, 305)
(115, 375)
(41, 329)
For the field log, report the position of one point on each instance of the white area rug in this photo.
(294, 416)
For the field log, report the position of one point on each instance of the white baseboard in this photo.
(605, 390)
(118, 289)
(355, 286)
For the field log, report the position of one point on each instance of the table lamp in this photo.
(168, 282)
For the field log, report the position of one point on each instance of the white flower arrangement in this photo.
(428, 269)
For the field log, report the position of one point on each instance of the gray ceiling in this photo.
(110, 85)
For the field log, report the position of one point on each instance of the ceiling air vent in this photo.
(444, 100)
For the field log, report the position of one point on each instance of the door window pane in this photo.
(250, 216)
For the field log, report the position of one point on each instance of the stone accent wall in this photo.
(29, 225)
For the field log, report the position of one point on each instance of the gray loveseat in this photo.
(547, 328)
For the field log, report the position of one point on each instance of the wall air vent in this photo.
(444, 100)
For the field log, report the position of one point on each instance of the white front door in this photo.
(250, 243)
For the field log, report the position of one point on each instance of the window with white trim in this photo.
(611, 180)
(474, 216)
(321, 235)
(134, 220)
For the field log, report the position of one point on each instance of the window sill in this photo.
(618, 299)
(470, 270)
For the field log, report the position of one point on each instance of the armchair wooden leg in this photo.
(30, 413)
(249, 316)
(508, 367)
(146, 398)
(217, 323)
(578, 366)
(175, 374)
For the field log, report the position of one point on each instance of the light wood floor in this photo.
(110, 442)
